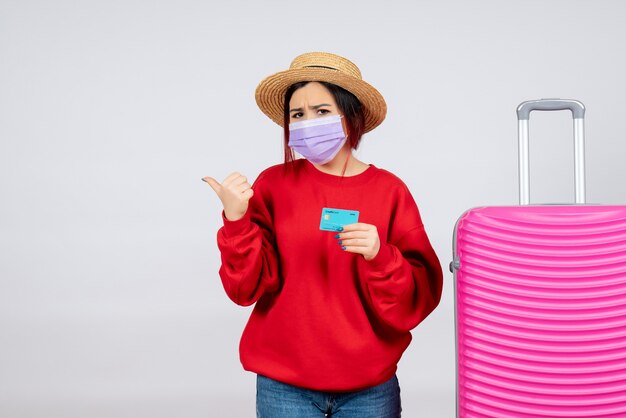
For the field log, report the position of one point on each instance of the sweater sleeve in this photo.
(404, 280)
(249, 260)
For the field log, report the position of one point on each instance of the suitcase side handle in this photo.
(578, 115)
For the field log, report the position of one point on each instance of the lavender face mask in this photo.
(317, 140)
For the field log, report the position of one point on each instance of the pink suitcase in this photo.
(540, 296)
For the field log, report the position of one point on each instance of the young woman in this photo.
(331, 250)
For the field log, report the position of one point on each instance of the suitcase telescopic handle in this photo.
(578, 114)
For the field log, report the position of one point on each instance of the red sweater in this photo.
(326, 319)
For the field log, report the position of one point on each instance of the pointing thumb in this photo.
(215, 185)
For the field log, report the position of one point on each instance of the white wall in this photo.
(111, 112)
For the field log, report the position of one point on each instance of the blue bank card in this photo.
(333, 219)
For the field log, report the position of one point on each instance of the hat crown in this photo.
(326, 60)
(322, 67)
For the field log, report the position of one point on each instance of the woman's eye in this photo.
(297, 115)
(323, 111)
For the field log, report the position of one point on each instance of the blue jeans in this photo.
(280, 400)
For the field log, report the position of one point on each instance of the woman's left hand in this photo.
(360, 238)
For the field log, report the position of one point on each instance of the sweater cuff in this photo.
(234, 228)
(384, 257)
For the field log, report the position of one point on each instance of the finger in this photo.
(213, 183)
(235, 182)
(248, 194)
(238, 180)
(230, 178)
(355, 243)
(359, 226)
(352, 249)
(243, 187)
(354, 234)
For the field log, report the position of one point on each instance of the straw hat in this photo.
(320, 66)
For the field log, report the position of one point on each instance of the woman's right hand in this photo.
(234, 192)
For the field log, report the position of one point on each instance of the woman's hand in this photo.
(360, 238)
(234, 192)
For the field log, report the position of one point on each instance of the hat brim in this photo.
(270, 93)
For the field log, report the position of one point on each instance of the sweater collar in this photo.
(356, 180)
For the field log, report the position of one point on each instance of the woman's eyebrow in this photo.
(299, 109)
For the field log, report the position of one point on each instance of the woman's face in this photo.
(312, 101)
